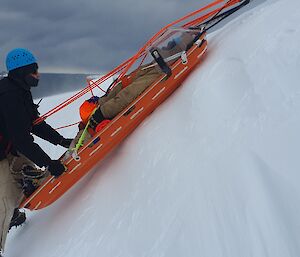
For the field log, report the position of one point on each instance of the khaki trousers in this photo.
(117, 100)
(10, 197)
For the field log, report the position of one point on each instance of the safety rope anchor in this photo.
(75, 156)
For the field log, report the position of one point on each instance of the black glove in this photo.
(56, 168)
(65, 142)
(96, 118)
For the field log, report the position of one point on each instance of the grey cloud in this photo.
(91, 36)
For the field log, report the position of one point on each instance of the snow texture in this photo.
(214, 171)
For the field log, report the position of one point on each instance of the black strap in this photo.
(160, 61)
(218, 17)
(111, 86)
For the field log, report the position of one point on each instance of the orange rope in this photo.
(150, 41)
(126, 65)
(210, 14)
(89, 85)
(93, 83)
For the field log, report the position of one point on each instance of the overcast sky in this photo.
(84, 35)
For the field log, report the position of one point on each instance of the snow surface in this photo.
(212, 172)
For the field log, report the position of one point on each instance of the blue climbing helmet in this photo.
(19, 57)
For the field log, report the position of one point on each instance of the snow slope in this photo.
(213, 172)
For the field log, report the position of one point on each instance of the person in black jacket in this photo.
(17, 116)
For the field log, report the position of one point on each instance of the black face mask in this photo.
(31, 81)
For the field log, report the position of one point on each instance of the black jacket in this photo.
(17, 113)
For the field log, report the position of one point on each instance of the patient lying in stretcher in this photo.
(97, 112)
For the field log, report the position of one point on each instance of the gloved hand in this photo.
(56, 168)
(65, 142)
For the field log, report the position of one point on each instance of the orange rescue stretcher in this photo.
(175, 66)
